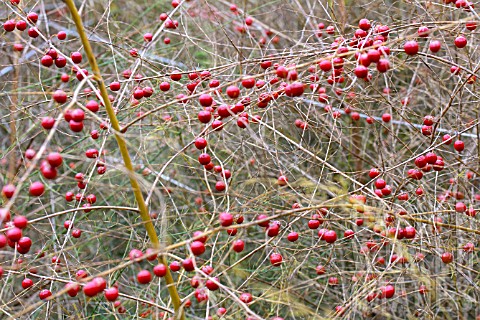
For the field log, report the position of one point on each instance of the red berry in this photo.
(115, 86)
(204, 116)
(148, 37)
(14, 234)
(246, 297)
(226, 219)
(32, 17)
(175, 266)
(292, 236)
(459, 145)
(411, 47)
(276, 259)
(348, 234)
(9, 25)
(460, 42)
(76, 233)
(44, 294)
(93, 106)
(233, 92)
(471, 25)
(204, 158)
(135, 254)
(92, 288)
(8, 191)
(81, 274)
(330, 236)
(248, 82)
(91, 153)
(388, 291)
(374, 172)
(380, 183)
(59, 96)
(25, 243)
(144, 277)
(217, 125)
(460, 207)
(33, 32)
(61, 35)
(447, 257)
(205, 100)
(61, 62)
(361, 71)
(364, 24)
(435, 45)
(27, 283)
(282, 180)
(383, 65)
(313, 224)
(20, 222)
(46, 61)
(386, 117)
(200, 143)
(188, 264)
(197, 248)
(75, 126)
(175, 76)
(238, 245)
(111, 294)
(76, 57)
(54, 159)
(160, 270)
(37, 189)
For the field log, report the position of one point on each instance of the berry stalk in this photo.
(152, 234)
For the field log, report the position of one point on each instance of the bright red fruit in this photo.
(388, 291)
(27, 283)
(54, 159)
(374, 172)
(14, 234)
(460, 42)
(204, 116)
(205, 100)
(44, 294)
(91, 289)
(292, 236)
(282, 181)
(37, 189)
(411, 47)
(144, 277)
(238, 245)
(8, 190)
(447, 257)
(246, 297)
(226, 219)
(435, 45)
(115, 86)
(276, 259)
(459, 145)
(76, 57)
(197, 248)
(59, 96)
(364, 24)
(160, 270)
(233, 92)
(330, 236)
(204, 159)
(20, 222)
(111, 294)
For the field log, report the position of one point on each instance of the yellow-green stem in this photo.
(125, 155)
